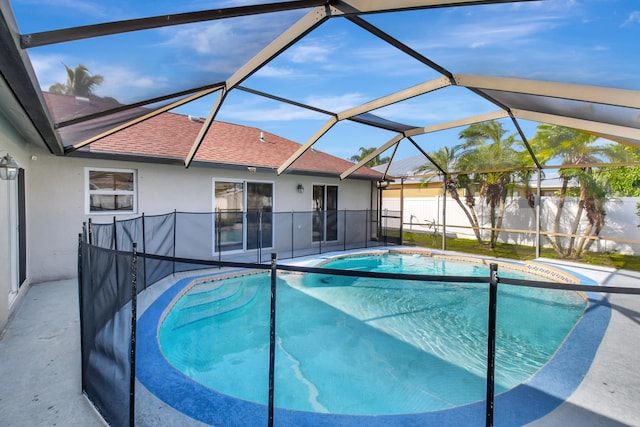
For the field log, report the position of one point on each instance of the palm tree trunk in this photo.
(471, 216)
(556, 223)
(600, 221)
(576, 220)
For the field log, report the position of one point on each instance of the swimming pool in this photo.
(374, 328)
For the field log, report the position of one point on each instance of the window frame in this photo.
(89, 192)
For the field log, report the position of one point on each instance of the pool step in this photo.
(236, 297)
(219, 292)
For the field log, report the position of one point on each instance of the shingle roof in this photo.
(170, 135)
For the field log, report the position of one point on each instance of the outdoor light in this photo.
(8, 168)
(300, 189)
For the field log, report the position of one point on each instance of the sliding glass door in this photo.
(259, 215)
(325, 213)
(243, 215)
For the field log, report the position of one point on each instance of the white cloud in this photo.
(49, 69)
(264, 113)
(633, 18)
(309, 53)
(277, 72)
(336, 103)
(96, 9)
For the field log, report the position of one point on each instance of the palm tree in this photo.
(80, 82)
(445, 159)
(573, 148)
(487, 148)
(364, 152)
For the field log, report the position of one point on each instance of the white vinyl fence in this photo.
(620, 233)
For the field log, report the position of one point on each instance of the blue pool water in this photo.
(365, 346)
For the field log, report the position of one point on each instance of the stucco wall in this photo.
(13, 143)
(56, 197)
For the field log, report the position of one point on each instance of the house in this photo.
(140, 170)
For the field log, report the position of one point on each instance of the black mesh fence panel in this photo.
(106, 331)
(102, 235)
(159, 231)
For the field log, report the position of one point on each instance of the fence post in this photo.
(80, 311)
(115, 234)
(344, 232)
(175, 225)
(491, 342)
(367, 235)
(272, 336)
(293, 217)
(259, 236)
(134, 315)
(144, 250)
(90, 233)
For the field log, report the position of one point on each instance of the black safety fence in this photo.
(109, 284)
(237, 236)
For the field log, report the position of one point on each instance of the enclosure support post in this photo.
(272, 336)
(538, 208)
(134, 316)
(401, 240)
(90, 232)
(444, 212)
(491, 342)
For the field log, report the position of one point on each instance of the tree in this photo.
(445, 158)
(364, 152)
(573, 148)
(623, 180)
(80, 82)
(491, 156)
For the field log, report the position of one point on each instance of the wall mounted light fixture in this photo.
(300, 188)
(8, 168)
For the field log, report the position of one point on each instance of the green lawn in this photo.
(519, 252)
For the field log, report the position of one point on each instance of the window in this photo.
(111, 191)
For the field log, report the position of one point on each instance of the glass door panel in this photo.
(332, 213)
(259, 215)
(318, 213)
(229, 206)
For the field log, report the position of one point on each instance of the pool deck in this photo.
(40, 362)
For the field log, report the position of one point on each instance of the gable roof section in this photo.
(169, 136)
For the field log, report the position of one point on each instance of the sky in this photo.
(339, 65)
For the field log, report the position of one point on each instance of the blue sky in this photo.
(339, 65)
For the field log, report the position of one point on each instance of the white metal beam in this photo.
(294, 33)
(627, 133)
(457, 123)
(396, 139)
(369, 6)
(298, 30)
(597, 94)
(295, 156)
(145, 117)
(205, 127)
(393, 98)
